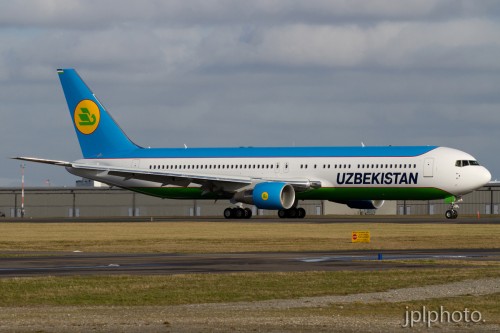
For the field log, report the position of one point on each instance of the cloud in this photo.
(95, 14)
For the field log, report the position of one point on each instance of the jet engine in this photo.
(268, 195)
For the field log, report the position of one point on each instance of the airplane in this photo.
(272, 178)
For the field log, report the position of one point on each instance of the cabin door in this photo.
(429, 167)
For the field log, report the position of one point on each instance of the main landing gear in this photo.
(246, 213)
(293, 213)
(237, 213)
(452, 213)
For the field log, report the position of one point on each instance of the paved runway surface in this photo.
(409, 219)
(43, 264)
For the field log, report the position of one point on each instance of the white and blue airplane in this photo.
(274, 178)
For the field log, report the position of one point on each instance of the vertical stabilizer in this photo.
(99, 135)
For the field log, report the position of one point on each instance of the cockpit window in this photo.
(463, 163)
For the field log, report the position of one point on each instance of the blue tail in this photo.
(99, 135)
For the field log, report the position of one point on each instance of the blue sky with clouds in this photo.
(261, 73)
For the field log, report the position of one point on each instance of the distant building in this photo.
(84, 182)
(87, 200)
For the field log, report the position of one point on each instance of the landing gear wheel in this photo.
(451, 214)
(228, 213)
(237, 213)
(293, 213)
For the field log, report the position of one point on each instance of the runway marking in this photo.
(387, 257)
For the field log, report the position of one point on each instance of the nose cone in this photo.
(472, 178)
(484, 176)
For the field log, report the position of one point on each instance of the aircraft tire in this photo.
(292, 213)
(239, 213)
(451, 214)
(228, 213)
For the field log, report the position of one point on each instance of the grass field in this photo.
(209, 288)
(210, 237)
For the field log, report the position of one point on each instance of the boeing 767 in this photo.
(274, 178)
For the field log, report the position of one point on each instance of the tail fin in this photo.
(99, 135)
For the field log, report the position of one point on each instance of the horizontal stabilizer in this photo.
(43, 160)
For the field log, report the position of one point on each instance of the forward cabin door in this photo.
(429, 167)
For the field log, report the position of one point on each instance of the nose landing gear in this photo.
(452, 213)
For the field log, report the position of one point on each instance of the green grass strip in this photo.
(206, 288)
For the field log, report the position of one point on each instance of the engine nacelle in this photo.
(269, 195)
(365, 204)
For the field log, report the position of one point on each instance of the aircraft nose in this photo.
(485, 176)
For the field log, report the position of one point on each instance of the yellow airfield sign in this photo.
(360, 237)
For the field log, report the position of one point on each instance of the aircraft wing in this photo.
(168, 178)
(210, 183)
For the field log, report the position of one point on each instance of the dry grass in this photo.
(208, 288)
(206, 237)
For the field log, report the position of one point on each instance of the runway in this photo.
(45, 264)
(318, 219)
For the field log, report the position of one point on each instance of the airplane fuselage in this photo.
(344, 173)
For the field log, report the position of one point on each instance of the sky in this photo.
(210, 73)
